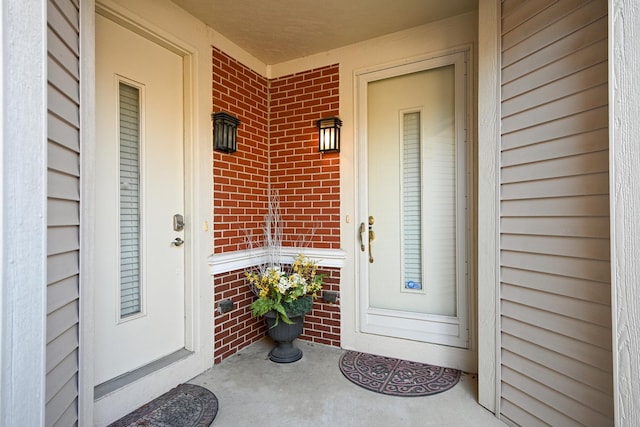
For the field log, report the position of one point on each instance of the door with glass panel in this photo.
(414, 278)
(139, 289)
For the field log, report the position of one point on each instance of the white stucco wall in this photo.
(624, 149)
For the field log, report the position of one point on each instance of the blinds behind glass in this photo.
(412, 201)
(130, 301)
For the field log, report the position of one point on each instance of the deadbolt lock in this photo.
(178, 222)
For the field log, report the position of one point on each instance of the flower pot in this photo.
(284, 334)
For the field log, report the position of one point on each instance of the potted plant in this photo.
(284, 295)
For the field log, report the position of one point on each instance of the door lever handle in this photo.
(362, 229)
(372, 237)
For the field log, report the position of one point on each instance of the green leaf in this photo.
(282, 314)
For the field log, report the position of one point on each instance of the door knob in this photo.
(177, 242)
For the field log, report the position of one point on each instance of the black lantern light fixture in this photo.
(225, 128)
(329, 134)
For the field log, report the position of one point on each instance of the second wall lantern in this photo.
(329, 134)
(225, 128)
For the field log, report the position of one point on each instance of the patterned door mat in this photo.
(396, 377)
(187, 405)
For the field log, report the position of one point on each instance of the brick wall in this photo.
(308, 182)
(237, 328)
(241, 179)
(322, 324)
(278, 149)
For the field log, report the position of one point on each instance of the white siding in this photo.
(63, 219)
(555, 295)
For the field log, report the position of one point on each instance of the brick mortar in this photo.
(277, 129)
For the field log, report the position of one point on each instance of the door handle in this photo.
(372, 237)
(177, 242)
(362, 228)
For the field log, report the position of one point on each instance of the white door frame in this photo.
(198, 292)
(465, 359)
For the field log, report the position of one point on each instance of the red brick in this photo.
(309, 190)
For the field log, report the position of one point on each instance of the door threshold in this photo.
(127, 378)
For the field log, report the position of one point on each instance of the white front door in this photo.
(139, 300)
(414, 277)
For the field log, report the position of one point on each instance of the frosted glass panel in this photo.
(130, 301)
(412, 201)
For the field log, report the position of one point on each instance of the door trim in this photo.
(488, 204)
(87, 210)
(23, 315)
(367, 340)
(198, 309)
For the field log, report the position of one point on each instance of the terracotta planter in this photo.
(284, 334)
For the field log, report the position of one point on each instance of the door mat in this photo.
(187, 405)
(396, 377)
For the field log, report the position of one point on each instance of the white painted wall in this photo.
(624, 149)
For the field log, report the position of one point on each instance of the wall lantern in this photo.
(329, 134)
(225, 128)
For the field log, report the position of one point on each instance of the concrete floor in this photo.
(253, 391)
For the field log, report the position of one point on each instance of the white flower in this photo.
(283, 285)
(298, 280)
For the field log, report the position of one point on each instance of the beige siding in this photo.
(63, 221)
(556, 351)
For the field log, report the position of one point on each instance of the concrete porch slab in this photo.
(252, 390)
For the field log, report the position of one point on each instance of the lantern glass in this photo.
(225, 128)
(329, 134)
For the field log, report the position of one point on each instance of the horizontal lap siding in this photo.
(63, 218)
(555, 307)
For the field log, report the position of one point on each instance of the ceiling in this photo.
(280, 30)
